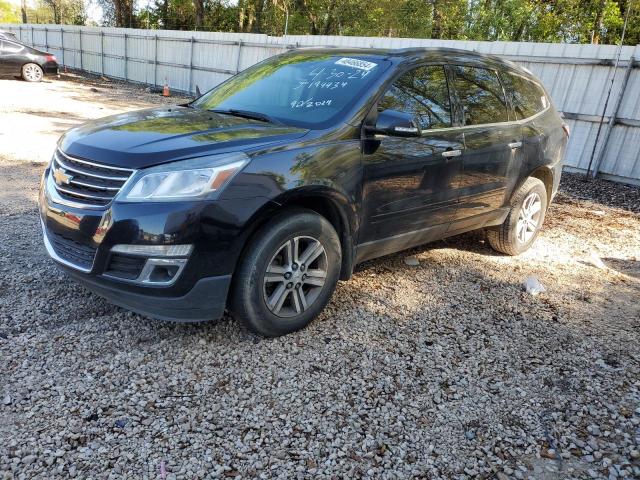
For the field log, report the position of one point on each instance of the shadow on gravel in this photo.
(627, 267)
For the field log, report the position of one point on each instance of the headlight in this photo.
(186, 179)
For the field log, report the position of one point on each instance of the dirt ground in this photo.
(447, 369)
(33, 116)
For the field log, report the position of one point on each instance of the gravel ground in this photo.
(447, 369)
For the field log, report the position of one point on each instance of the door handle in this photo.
(515, 144)
(451, 153)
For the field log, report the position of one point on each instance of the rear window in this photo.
(527, 97)
(481, 94)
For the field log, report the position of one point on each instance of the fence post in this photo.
(33, 43)
(62, 44)
(155, 62)
(239, 56)
(80, 34)
(101, 53)
(20, 34)
(614, 114)
(191, 64)
(46, 39)
(126, 60)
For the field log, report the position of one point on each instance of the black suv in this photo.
(261, 194)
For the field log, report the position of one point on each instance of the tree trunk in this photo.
(330, 19)
(436, 25)
(165, 14)
(597, 23)
(23, 7)
(259, 10)
(199, 5)
(117, 11)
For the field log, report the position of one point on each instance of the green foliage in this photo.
(574, 21)
(66, 12)
(9, 13)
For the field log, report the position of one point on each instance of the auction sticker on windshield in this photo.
(356, 63)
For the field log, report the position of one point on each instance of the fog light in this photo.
(160, 264)
(161, 271)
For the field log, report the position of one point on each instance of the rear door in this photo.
(11, 57)
(493, 141)
(408, 184)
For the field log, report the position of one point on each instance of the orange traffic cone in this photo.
(165, 89)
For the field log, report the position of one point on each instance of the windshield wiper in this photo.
(262, 117)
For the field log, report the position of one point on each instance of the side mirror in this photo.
(395, 123)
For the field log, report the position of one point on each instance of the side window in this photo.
(423, 92)
(481, 94)
(10, 47)
(526, 96)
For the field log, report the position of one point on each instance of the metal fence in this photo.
(578, 77)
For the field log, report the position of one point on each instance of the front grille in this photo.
(72, 251)
(125, 266)
(87, 182)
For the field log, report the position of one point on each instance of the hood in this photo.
(150, 137)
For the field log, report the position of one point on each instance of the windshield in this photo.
(302, 89)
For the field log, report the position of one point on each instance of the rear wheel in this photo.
(289, 271)
(522, 225)
(32, 72)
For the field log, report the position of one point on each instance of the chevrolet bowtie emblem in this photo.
(61, 177)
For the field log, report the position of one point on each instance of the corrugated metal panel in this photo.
(576, 76)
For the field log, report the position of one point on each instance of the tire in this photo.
(510, 238)
(257, 295)
(32, 72)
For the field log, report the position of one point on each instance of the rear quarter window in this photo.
(527, 97)
(10, 47)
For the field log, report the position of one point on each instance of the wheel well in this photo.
(545, 176)
(329, 210)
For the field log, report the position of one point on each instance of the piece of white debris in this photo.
(533, 286)
(600, 213)
(412, 261)
(595, 260)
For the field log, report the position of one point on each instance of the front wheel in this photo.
(522, 225)
(32, 72)
(287, 274)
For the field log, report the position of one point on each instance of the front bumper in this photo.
(205, 301)
(216, 230)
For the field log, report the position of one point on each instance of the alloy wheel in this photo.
(529, 217)
(295, 276)
(32, 72)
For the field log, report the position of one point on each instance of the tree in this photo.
(9, 13)
(67, 12)
(118, 13)
(572, 21)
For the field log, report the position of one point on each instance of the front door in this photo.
(493, 142)
(409, 183)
